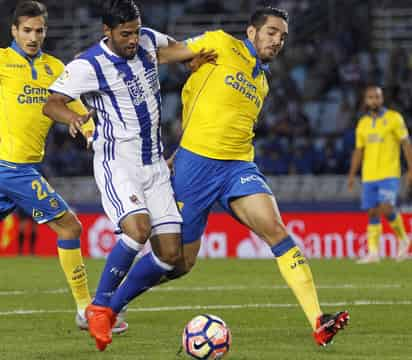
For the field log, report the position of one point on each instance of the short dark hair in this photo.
(259, 17)
(29, 8)
(116, 12)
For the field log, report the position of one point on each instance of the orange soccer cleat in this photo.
(327, 326)
(101, 320)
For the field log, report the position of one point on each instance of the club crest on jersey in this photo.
(134, 199)
(54, 203)
(48, 70)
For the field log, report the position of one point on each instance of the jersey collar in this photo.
(381, 112)
(259, 65)
(30, 59)
(20, 51)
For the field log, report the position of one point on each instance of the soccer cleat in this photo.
(119, 327)
(403, 249)
(327, 326)
(101, 320)
(369, 259)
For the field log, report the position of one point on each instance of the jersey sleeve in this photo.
(77, 78)
(208, 41)
(360, 137)
(158, 39)
(401, 131)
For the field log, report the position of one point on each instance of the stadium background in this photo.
(304, 137)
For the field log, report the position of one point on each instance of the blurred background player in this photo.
(214, 163)
(119, 77)
(25, 74)
(380, 134)
(26, 223)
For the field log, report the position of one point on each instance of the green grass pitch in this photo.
(37, 312)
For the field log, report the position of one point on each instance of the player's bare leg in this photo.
(261, 214)
(186, 261)
(396, 222)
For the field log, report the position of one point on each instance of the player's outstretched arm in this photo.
(57, 110)
(175, 52)
(179, 52)
(355, 164)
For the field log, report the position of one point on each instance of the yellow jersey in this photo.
(221, 102)
(24, 84)
(380, 138)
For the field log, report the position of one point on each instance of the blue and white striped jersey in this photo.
(124, 93)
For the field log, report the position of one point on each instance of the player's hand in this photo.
(88, 135)
(77, 122)
(169, 163)
(351, 183)
(203, 57)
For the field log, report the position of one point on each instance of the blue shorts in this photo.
(379, 192)
(198, 182)
(22, 185)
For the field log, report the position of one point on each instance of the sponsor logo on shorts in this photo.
(37, 214)
(180, 205)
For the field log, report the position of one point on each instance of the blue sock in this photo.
(392, 217)
(145, 274)
(283, 246)
(375, 220)
(117, 265)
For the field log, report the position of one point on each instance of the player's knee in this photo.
(171, 256)
(140, 232)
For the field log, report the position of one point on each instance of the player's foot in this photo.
(119, 327)
(369, 259)
(327, 326)
(101, 320)
(403, 249)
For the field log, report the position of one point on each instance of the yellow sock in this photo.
(72, 264)
(296, 272)
(399, 228)
(374, 233)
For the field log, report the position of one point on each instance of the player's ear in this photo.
(251, 32)
(14, 30)
(107, 31)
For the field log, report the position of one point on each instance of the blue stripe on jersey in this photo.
(150, 34)
(104, 86)
(142, 111)
(108, 151)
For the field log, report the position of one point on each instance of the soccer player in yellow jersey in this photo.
(25, 75)
(221, 104)
(380, 134)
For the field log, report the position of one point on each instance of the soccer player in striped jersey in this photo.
(380, 135)
(221, 104)
(26, 72)
(120, 81)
